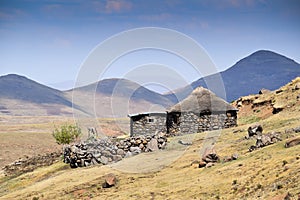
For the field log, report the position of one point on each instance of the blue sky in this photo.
(48, 40)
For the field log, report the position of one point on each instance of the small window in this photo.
(151, 120)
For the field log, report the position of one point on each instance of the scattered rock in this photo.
(128, 154)
(297, 129)
(152, 145)
(297, 86)
(231, 158)
(265, 140)
(288, 196)
(255, 130)
(202, 164)
(29, 164)
(210, 156)
(195, 163)
(252, 148)
(184, 142)
(262, 141)
(208, 165)
(110, 180)
(235, 156)
(277, 109)
(292, 142)
(104, 160)
(135, 150)
(264, 91)
(227, 159)
(121, 152)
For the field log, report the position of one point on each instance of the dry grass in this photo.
(267, 173)
(22, 136)
(256, 175)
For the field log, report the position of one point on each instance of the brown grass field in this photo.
(22, 136)
(267, 173)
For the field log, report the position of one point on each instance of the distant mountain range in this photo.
(112, 98)
(262, 69)
(118, 97)
(22, 96)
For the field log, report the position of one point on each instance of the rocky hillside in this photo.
(262, 165)
(267, 103)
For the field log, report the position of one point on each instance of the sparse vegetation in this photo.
(66, 134)
(267, 173)
(248, 119)
(234, 182)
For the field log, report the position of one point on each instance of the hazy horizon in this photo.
(48, 41)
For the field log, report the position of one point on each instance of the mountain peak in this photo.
(263, 59)
(264, 52)
(13, 86)
(261, 69)
(263, 56)
(13, 76)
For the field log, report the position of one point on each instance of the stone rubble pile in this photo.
(255, 130)
(29, 164)
(262, 140)
(106, 150)
(265, 140)
(209, 158)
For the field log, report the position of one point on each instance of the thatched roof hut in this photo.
(202, 100)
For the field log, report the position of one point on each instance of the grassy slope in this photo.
(258, 175)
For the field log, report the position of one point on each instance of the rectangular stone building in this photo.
(147, 123)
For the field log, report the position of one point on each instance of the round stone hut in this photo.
(201, 111)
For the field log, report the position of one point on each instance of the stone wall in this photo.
(188, 123)
(29, 164)
(107, 150)
(216, 121)
(192, 123)
(148, 124)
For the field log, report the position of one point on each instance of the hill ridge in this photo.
(261, 69)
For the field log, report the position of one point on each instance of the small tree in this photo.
(66, 133)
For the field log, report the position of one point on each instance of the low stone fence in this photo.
(104, 151)
(29, 164)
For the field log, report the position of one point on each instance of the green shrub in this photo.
(66, 133)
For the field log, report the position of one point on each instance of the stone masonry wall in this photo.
(193, 123)
(149, 125)
(188, 123)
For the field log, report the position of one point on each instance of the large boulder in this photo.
(292, 142)
(210, 155)
(255, 130)
(110, 180)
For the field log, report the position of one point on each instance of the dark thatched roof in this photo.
(202, 100)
